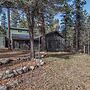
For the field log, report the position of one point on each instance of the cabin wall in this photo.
(21, 44)
(54, 43)
(17, 43)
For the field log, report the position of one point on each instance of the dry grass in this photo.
(61, 72)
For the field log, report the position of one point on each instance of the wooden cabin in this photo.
(54, 42)
(20, 40)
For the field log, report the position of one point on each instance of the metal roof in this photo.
(53, 32)
(27, 37)
(20, 37)
(22, 29)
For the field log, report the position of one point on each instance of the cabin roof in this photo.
(20, 37)
(26, 37)
(50, 33)
(55, 32)
(22, 29)
(26, 29)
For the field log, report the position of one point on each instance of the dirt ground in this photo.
(8, 54)
(61, 72)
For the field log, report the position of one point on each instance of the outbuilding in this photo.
(54, 42)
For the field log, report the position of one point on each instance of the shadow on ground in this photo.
(60, 55)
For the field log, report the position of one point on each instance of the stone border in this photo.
(5, 61)
(21, 70)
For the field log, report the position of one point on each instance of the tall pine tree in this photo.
(15, 17)
(3, 20)
(78, 4)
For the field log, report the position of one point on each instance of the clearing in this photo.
(62, 71)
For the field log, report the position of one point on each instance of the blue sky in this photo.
(87, 6)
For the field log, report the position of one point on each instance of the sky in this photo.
(87, 6)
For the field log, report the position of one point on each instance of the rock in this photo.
(18, 58)
(9, 71)
(24, 58)
(32, 67)
(4, 88)
(20, 71)
(42, 63)
(5, 61)
(10, 75)
(15, 72)
(1, 75)
(5, 76)
(42, 56)
(25, 69)
(39, 62)
(21, 58)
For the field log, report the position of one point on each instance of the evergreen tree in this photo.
(15, 17)
(78, 4)
(23, 21)
(2, 31)
(0, 10)
(3, 20)
(66, 21)
(86, 35)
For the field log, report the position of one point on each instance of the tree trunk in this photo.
(84, 49)
(88, 42)
(42, 31)
(9, 33)
(30, 19)
(78, 25)
(74, 39)
(65, 20)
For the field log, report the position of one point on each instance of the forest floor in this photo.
(62, 71)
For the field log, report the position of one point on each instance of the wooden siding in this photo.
(54, 42)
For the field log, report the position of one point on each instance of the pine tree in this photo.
(0, 10)
(23, 21)
(86, 36)
(78, 21)
(66, 21)
(15, 17)
(3, 20)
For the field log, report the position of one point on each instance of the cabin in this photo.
(55, 42)
(20, 40)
